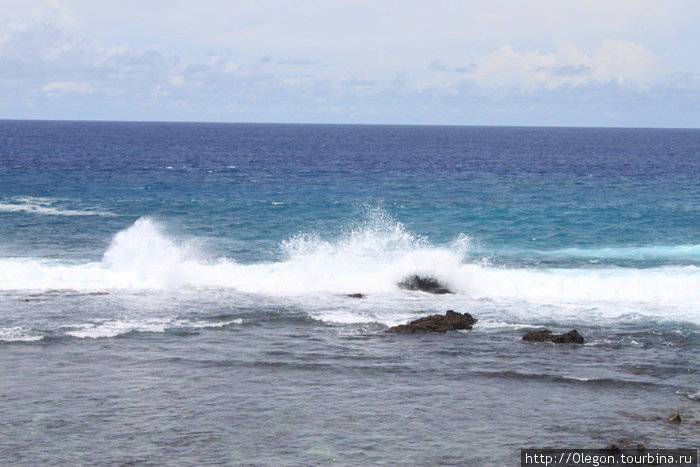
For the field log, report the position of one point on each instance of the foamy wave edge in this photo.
(116, 328)
(18, 334)
(371, 258)
(43, 206)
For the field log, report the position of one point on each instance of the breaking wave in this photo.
(371, 257)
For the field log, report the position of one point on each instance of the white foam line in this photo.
(209, 324)
(43, 206)
(117, 328)
(17, 334)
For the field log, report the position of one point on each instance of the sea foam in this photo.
(115, 328)
(45, 206)
(370, 257)
(18, 334)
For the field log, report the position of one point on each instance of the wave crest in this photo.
(370, 257)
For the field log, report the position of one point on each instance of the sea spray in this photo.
(371, 257)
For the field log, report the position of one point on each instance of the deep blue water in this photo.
(176, 293)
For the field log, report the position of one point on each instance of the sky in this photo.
(624, 63)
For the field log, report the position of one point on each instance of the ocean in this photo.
(177, 293)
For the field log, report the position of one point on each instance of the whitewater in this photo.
(371, 259)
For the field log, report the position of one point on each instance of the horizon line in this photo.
(465, 125)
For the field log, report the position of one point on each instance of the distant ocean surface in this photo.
(176, 294)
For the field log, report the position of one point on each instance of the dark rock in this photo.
(424, 284)
(450, 321)
(612, 448)
(571, 337)
(641, 447)
(675, 418)
(356, 295)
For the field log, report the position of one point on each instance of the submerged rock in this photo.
(356, 295)
(627, 444)
(424, 284)
(571, 337)
(675, 418)
(450, 321)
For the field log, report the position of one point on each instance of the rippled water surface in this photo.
(177, 294)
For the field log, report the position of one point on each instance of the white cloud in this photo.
(57, 88)
(506, 67)
(46, 11)
(33, 51)
(623, 61)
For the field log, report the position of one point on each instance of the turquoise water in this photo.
(187, 282)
